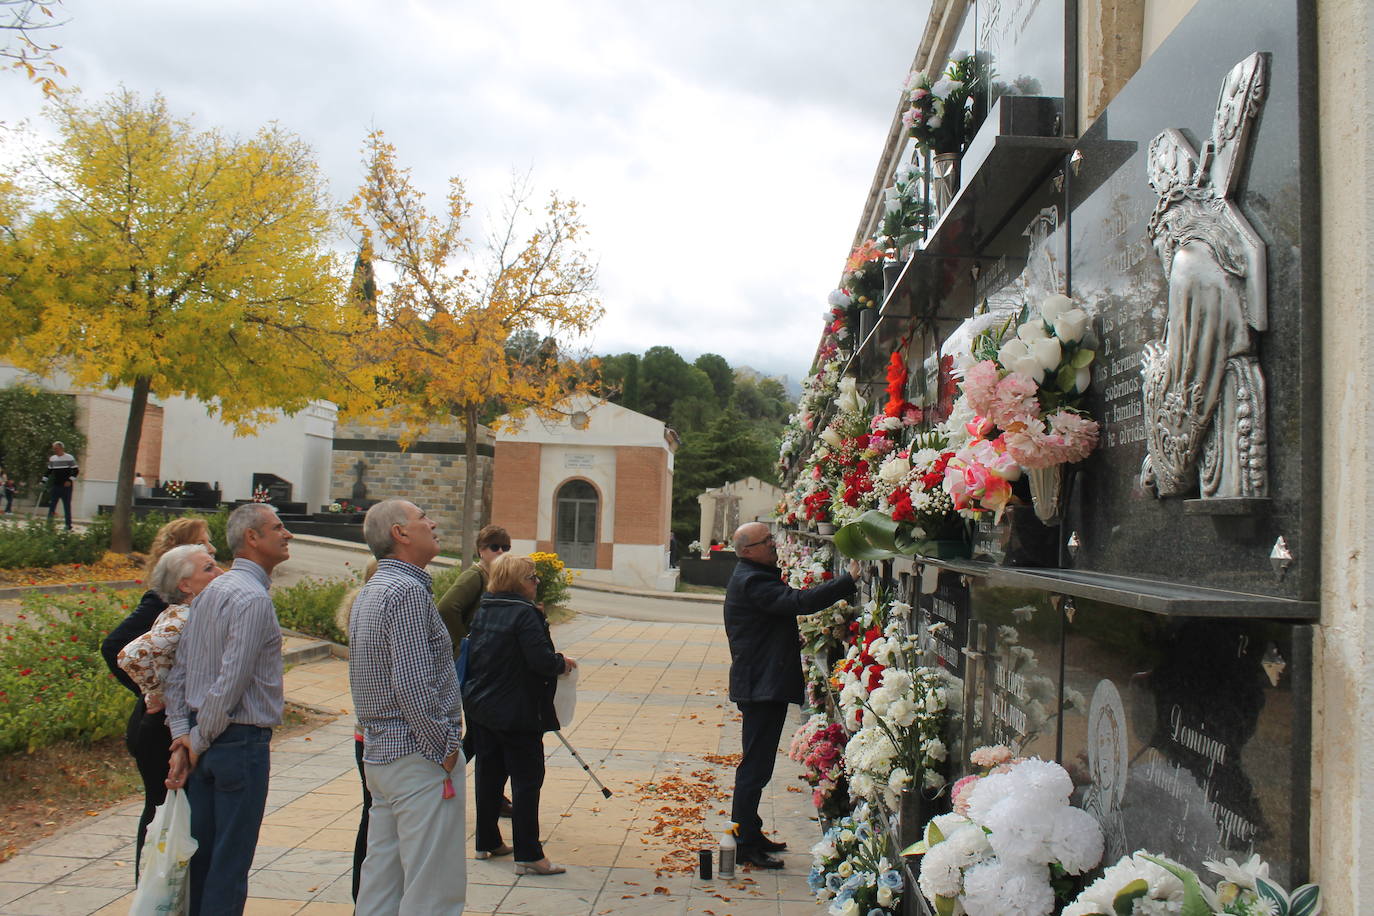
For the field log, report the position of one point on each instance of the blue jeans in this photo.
(228, 794)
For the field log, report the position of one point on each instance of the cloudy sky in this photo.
(721, 150)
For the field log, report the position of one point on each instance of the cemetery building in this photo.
(594, 486)
(725, 508)
(1174, 195)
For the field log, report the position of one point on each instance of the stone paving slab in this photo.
(651, 705)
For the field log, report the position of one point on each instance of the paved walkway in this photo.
(652, 721)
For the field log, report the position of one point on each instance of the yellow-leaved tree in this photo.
(136, 250)
(460, 331)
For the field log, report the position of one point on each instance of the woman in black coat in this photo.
(147, 736)
(508, 700)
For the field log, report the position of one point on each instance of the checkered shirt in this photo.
(400, 668)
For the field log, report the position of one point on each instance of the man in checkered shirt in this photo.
(406, 698)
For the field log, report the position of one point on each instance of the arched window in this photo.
(575, 525)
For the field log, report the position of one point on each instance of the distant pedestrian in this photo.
(224, 697)
(147, 737)
(8, 486)
(62, 471)
(405, 695)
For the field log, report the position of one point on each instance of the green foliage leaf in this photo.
(874, 536)
(1194, 902)
(1305, 901)
(1124, 902)
(1064, 380)
(944, 906)
(1082, 358)
(1268, 890)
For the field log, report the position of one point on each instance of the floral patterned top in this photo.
(149, 658)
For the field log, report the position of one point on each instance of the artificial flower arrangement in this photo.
(862, 281)
(945, 115)
(819, 746)
(260, 494)
(897, 711)
(906, 215)
(1146, 885)
(852, 867)
(1025, 392)
(175, 489)
(1011, 843)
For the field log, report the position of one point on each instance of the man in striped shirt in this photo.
(224, 696)
(406, 698)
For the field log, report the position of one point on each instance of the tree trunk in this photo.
(469, 483)
(121, 531)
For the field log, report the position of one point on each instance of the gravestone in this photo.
(1196, 736)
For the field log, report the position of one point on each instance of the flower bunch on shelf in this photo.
(805, 563)
(897, 710)
(1031, 385)
(1146, 885)
(910, 488)
(825, 632)
(175, 489)
(942, 115)
(862, 280)
(260, 494)
(906, 215)
(852, 867)
(1017, 840)
(819, 746)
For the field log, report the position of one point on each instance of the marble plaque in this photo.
(1022, 635)
(1196, 735)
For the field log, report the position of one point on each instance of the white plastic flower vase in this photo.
(944, 184)
(1047, 492)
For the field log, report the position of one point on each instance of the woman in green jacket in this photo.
(459, 604)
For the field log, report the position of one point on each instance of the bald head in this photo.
(754, 541)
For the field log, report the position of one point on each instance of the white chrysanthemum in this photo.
(934, 748)
(996, 888)
(969, 842)
(941, 875)
(1045, 778)
(898, 779)
(901, 712)
(1098, 897)
(932, 779)
(898, 680)
(948, 823)
(1021, 829)
(1076, 840)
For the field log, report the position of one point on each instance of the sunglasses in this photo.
(499, 548)
(757, 543)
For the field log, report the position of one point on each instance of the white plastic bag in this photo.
(565, 698)
(164, 870)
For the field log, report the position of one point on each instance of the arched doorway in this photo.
(575, 524)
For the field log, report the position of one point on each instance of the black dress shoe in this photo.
(506, 809)
(768, 845)
(756, 857)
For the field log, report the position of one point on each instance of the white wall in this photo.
(595, 463)
(196, 446)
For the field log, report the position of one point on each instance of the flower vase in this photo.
(944, 174)
(825, 528)
(892, 270)
(868, 319)
(914, 809)
(1047, 493)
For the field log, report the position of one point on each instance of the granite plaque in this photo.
(1196, 736)
(1125, 258)
(944, 623)
(1023, 43)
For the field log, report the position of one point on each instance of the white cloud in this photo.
(721, 151)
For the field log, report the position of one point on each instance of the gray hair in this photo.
(377, 525)
(175, 565)
(246, 516)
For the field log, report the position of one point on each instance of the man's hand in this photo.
(182, 762)
(451, 760)
(568, 664)
(854, 569)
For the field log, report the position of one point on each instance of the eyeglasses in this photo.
(531, 578)
(766, 540)
(499, 548)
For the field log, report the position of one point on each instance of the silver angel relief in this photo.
(1203, 389)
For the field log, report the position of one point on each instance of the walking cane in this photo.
(578, 757)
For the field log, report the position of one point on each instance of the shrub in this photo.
(310, 607)
(54, 685)
(40, 542)
(218, 521)
(554, 578)
(144, 529)
(444, 579)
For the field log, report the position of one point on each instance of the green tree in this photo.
(728, 449)
(620, 379)
(674, 391)
(721, 375)
(174, 261)
(33, 419)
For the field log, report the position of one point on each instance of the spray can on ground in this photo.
(727, 852)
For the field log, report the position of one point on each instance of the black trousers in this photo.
(360, 844)
(518, 756)
(62, 493)
(763, 724)
(150, 743)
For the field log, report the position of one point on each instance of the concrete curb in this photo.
(647, 593)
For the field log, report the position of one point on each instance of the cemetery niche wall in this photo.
(1153, 633)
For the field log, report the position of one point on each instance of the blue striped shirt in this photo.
(228, 668)
(400, 668)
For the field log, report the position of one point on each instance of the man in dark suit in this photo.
(761, 614)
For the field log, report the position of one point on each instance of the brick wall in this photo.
(515, 489)
(431, 473)
(104, 418)
(641, 508)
